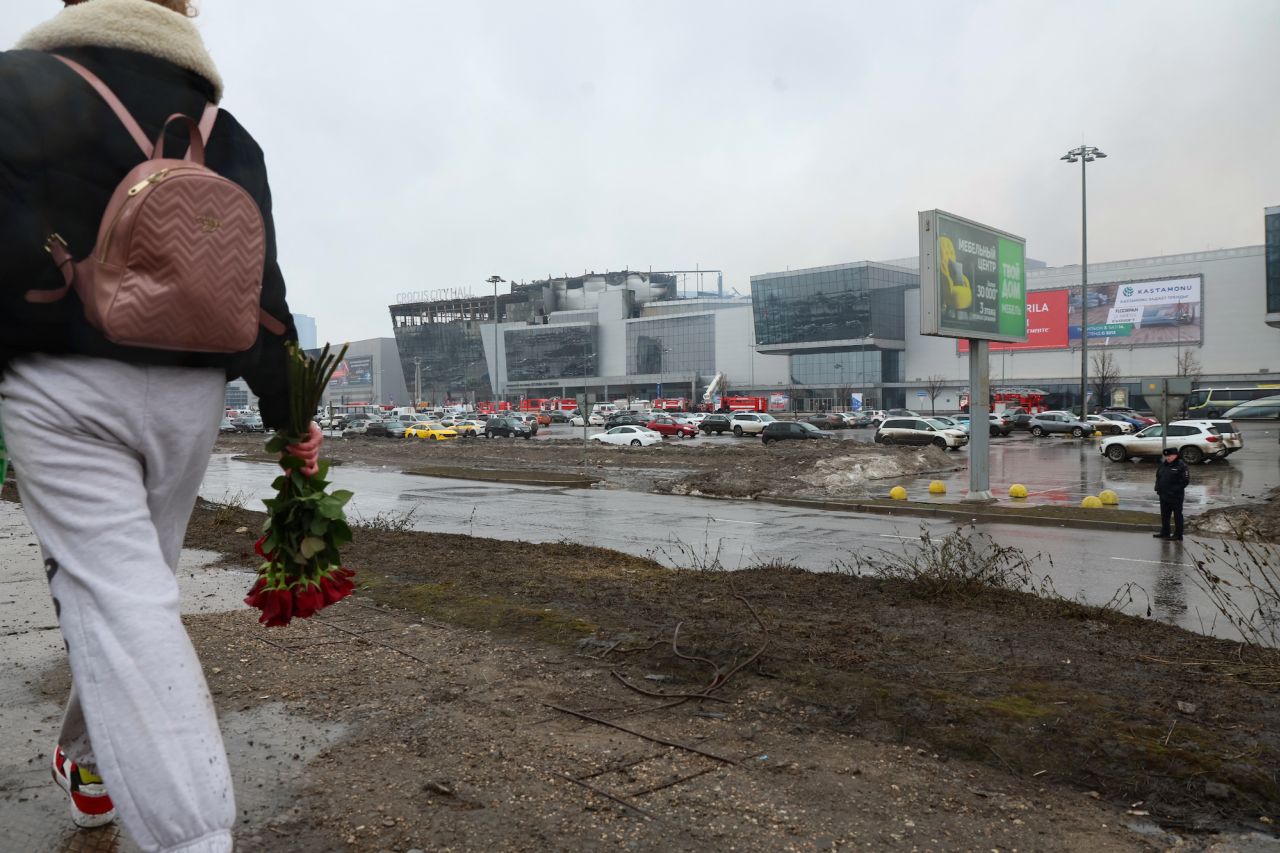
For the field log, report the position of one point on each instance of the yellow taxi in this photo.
(430, 429)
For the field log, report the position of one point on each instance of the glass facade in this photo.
(847, 369)
(831, 304)
(850, 369)
(1273, 260)
(450, 360)
(671, 345)
(549, 353)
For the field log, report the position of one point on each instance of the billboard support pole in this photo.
(979, 422)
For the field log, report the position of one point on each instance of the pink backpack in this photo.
(179, 257)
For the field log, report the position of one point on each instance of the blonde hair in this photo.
(182, 7)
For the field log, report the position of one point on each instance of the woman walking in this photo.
(110, 441)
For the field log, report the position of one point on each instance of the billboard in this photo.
(973, 280)
(356, 370)
(1156, 312)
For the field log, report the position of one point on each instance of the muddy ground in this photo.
(741, 469)
(893, 714)
(1259, 520)
(846, 710)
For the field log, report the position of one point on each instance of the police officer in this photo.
(1172, 478)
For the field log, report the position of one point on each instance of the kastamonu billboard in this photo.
(1156, 312)
(973, 280)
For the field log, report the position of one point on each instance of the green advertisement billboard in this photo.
(973, 280)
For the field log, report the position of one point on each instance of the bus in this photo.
(1213, 402)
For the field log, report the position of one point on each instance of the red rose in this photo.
(257, 549)
(276, 606)
(255, 592)
(337, 585)
(307, 599)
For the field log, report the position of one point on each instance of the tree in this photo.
(1106, 376)
(934, 385)
(1189, 365)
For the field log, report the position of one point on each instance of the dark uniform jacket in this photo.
(1172, 478)
(62, 154)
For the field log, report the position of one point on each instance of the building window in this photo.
(851, 369)
(547, 353)
(847, 303)
(450, 360)
(684, 345)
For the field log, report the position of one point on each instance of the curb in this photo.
(544, 478)
(977, 513)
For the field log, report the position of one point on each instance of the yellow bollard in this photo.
(937, 487)
(898, 493)
(1017, 490)
(1091, 502)
(1109, 498)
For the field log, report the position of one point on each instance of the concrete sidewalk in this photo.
(33, 685)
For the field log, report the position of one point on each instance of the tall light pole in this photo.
(417, 381)
(497, 348)
(1085, 154)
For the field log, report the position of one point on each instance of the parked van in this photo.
(604, 409)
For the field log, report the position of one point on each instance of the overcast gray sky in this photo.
(418, 145)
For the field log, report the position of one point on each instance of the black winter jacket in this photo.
(62, 154)
(1172, 478)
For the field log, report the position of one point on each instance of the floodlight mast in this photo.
(495, 280)
(1085, 154)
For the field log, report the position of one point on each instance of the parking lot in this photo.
(1059, 469)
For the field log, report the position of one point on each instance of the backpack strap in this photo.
(149, 149)
(126, 118)
(206, 124)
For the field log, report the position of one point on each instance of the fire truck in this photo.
(1030, 400)
(489, 407)
(746, 404)
(672, 404)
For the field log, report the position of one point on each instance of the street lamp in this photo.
(839, 365)
(417, 381)
(497, 350)
(1085, 154)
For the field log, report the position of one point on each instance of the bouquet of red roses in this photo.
(306, 525)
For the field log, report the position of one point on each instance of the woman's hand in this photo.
(308, 450)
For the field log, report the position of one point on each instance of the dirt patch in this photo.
(1050, 693)
(1261, 519)
(739, 469)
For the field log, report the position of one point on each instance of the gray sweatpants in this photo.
(109, 459)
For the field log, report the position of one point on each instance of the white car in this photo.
(1107, 426)
(696, 418)
(1197, 441)
(635, 436)
(594, 419)
(750, 423)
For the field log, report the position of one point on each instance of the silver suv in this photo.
(750, 423)
(1047, 422)
(921, 431)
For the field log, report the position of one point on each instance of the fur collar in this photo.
(137, 25)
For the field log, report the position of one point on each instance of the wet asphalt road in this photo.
(1063, 470)
(1089, 564)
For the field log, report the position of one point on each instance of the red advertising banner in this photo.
(1047, 327)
